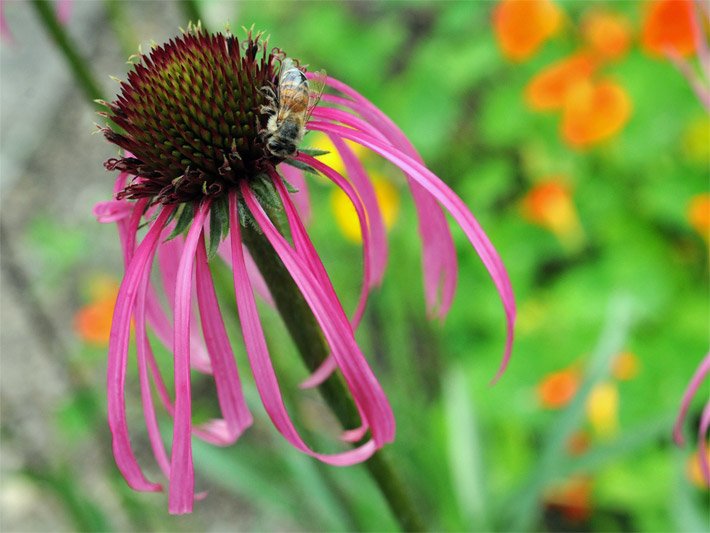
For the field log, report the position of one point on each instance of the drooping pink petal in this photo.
(226, 376)
(309, 252)
(703, 443)
(257, 280)
(118, 351)
(112, 211)
(301, 198)
(257, 350)
(182, 473)
(5, 33)
(169, 255)
(690, 392)
(367, 392)
(443, 194)
(144, 352)
(439, 255)
(366, 191)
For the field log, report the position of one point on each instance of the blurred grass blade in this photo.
(686, 512)
(465, 450)
(523, 509)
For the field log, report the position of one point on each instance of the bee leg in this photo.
(267, 110)
(269, 93)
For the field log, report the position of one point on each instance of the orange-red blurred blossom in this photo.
(699, 215)
(549, 204)
(92, 323)
(668, 27)
(522, 26)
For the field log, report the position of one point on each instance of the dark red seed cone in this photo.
(190, 115)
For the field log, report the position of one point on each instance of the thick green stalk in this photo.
(307, 336)
(78, 65)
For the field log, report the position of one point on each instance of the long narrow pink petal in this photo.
(5, 33)
(255, 277)
(257, 350)
(458, 210)
(301, 198)
(366, 191)
(690, 391)
(112, 211)
(117, 355)
(368, 259)
(703, 443)
(328, 366)
(144, 352)
(169, 255)
(182, 472)
(226, 376)
(366, 391)
(438, 253)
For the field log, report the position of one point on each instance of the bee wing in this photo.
(286, 65)
(316, 85)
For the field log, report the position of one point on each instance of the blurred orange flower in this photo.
(558, 388)
(608, 34)
(594, 112)
(694, 470)
(549, 204)
(668, 26)
(92, 323)
(625, 366)
(522, 26)
(699, 215)
(572, 498)
(549, 88)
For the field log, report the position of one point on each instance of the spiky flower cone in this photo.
(190, 119)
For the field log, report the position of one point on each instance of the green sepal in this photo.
(314, 152)
(219, 224)
(183, 222)
(303, 166)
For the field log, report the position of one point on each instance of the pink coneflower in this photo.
(201, 174)
(696, 381)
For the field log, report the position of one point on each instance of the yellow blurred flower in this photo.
(625, 366)
(320, 141)
(696, 140)
(694, 470)
(603, 409)
(346, 217)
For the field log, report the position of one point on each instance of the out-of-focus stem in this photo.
(191, 11)
(307, 336)
(116, 13)
(78, 65)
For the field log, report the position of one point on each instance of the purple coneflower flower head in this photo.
(695, 382)
(195, 119)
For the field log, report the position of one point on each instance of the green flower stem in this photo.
(191, 11)
(78, 65)
(307, 336)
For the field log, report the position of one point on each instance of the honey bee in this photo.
(290, 108)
